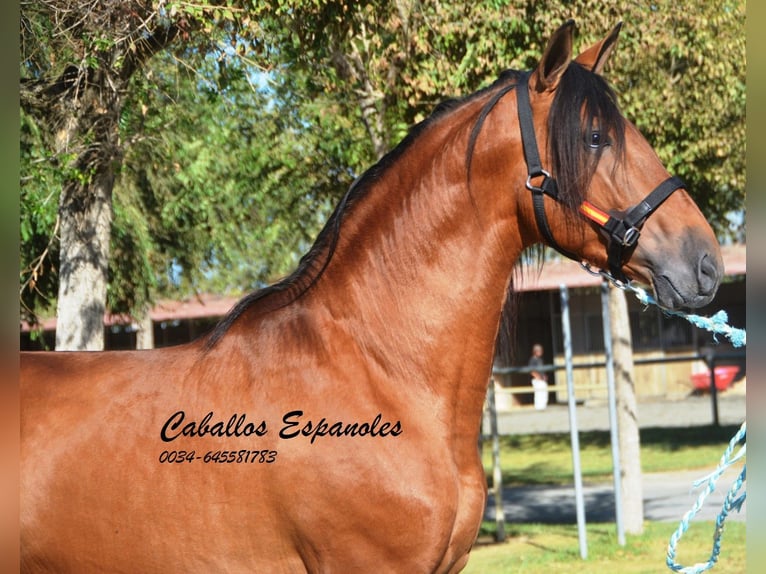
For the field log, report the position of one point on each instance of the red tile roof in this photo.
(551, 276)
(571, 274)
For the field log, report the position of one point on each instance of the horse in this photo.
(330, 422)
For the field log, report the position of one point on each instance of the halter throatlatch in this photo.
(622, 232)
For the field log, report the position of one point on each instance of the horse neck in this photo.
(422, 265)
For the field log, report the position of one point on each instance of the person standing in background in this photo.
(539, 378)
(536, 362)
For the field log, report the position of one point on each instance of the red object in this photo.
(723, 377)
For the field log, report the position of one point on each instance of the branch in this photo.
(35, 270)
(143, 49)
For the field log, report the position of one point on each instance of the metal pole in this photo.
(497, 475)
(575, 439)
(713, 389)
(612, 400)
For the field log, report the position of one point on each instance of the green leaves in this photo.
(39, 194)
(238, 140)
(685, 90)
(233, 186)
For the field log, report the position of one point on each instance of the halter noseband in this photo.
(623, 233)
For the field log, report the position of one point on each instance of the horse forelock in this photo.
(583, 102)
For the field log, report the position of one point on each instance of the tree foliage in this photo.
(228, 186)
(237, 137)
(78, 59)
(680, 74)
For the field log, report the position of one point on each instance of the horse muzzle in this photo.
(688, 283)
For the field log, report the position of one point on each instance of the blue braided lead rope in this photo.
(718, 323)
(731, 502)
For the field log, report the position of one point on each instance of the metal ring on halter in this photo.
(589, 268)
(631, 236)
(605, 274)
(529, 185)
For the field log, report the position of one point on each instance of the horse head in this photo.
(632, 218)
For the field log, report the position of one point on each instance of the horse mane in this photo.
(578, 87)
(312, 265)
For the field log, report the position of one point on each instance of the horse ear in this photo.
(595, 57)
(556, 58)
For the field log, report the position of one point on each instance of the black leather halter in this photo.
(622, 232)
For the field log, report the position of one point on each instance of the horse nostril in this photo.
(708, 275)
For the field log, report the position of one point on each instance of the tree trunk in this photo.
(84, 125)
(79, 113)
(85, 212)
(145, 333)
(627, 414)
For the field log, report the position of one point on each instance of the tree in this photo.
(343, 82)
(628, 435)
(205, 187)
(78, 60)
(225, 178)
(680, 77)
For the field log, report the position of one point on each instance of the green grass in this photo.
(547, 458)
(555, 548)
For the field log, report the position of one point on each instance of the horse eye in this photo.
(595, 139)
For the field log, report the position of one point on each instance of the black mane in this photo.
(578, 89)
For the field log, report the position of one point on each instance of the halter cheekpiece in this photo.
(623, 232)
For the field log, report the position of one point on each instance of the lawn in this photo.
(535, 548)
(547, 458)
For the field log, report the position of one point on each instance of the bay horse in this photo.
(330, 422)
